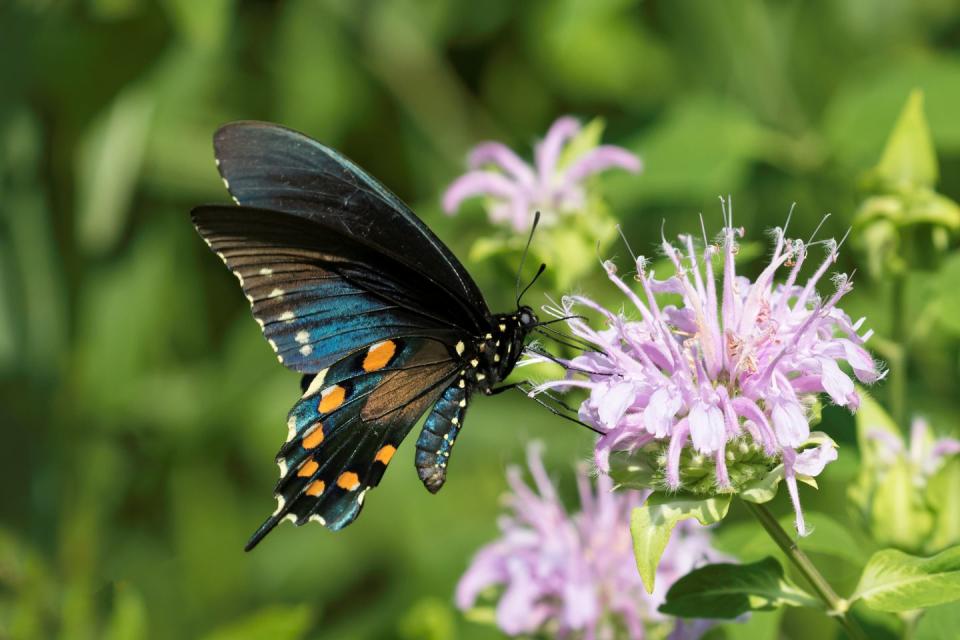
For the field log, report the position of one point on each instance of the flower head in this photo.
(924, 453)
(574, 573)
(553, 185)
(729, 375)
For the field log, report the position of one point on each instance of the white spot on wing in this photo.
(316, 518)
(302, 337)
(316, 383)
(287, 316)
(460, 348)
(273, 345)
(283, 467)
(360, 497)
(291, 428)
(266, 272)
(276, 293)
(290, 517)
(306, 350)
(281, 503)
(226, 184)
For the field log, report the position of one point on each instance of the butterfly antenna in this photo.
(540, 271)
(523, 257)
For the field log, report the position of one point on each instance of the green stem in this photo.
(836, 606)
(898, 363)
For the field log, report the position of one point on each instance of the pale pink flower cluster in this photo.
(742, 359)
(519, 190)
(564, 574)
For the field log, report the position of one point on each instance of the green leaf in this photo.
(108, 167)
(652, 523)
(726, 591)
(943, 496)
(764, 489)
(897, 514)
(279, 622)
(909, 160)
(948, 302)
(938, 622)
(128, 621)
(828, 537)
(895, 581)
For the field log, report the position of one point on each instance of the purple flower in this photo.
(566, 574)
(924, 453)
(729, 371)
(553, 186)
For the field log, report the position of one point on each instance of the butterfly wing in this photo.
(269, 166)
(318, 294)
(347, 426)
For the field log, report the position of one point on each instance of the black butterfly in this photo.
(353, 290)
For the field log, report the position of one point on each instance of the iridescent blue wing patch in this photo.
(347, 426)
(316, 294)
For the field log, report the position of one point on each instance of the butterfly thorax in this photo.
(492, 357)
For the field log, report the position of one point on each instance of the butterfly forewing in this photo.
(269, 166)
(316, 294)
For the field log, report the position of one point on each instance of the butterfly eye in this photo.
(527, 318)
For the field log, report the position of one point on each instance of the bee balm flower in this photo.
(727, 376)
(567, 574)
(551, 186)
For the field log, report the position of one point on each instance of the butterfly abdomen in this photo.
(439, 434)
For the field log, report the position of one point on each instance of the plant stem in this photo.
(898, 363)
(836, 606)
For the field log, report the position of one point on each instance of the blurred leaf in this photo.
(896, 581)
(898, 517)
(428, 619)
(764, 489)
(858, 119)
(682, 164)
(128, 620)
(938, 623)
(277, 622)
(108, 168)
(948, 302)
(944, 498)
(909, 160)
(747, 542)
(652, 523)
(761, 625)
(727, 591)
(201, 23)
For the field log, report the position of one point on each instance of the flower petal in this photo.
(504, 157)
(477, 183)
(789, 423)
(707, 430)
(602, 158)
(547, 153)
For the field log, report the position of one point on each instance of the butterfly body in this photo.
(351, 289)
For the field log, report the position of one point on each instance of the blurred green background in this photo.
(140, 408)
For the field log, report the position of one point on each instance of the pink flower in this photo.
(518, 190)
(575, 573)
(924, 453)
(744, 361)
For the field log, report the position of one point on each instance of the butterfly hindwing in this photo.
(346, 427)
(317, 294)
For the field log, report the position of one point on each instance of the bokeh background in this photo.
(139, 407)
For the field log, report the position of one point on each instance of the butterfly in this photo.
(355, 292)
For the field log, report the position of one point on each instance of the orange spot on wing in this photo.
(386, 452)
(348, 480)
(379, 355)
(331, 398)
(307, 469)
(316, 488)
(315, 438)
